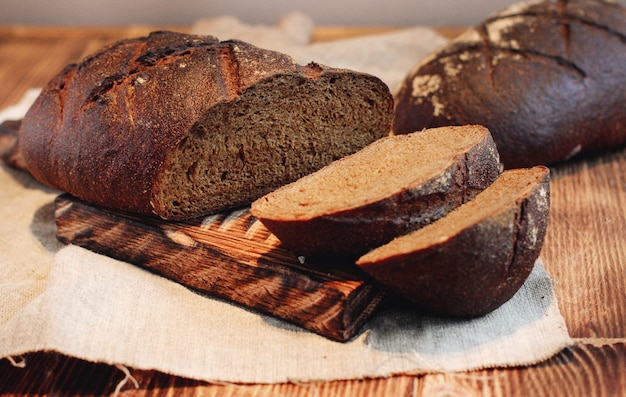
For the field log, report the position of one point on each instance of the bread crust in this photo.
(542, 77)
(478, 267)
(103, 129)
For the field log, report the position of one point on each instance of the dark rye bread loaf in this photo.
(477, 257)
(180, 126)
(393, 186)
(547, 79)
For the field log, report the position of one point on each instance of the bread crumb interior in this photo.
(276, 132)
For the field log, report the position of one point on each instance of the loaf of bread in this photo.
(393, 186)
(477, 257)
(179, 126)
(547, 79)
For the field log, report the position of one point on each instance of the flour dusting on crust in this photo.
(426, 85)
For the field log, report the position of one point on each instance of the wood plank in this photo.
(230, 256)
(583, 370)
(584, 249)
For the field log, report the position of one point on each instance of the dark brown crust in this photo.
(102, 129)
(347, 234)
(69, 115)
(478, 269)
(545, 85)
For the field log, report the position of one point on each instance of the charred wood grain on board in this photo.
(230, 256)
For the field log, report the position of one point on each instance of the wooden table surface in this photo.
(584, 252)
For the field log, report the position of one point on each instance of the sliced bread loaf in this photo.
(180, 125)
(478, 256)
(393, 186)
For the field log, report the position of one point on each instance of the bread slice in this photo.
(478, 256)
(180, 125)
(393, 186)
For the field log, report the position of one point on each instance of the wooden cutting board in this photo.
(230, 256)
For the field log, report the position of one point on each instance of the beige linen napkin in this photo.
(78, 303)
(103, 310)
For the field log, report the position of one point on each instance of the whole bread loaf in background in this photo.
(179, 125)
(547, 79)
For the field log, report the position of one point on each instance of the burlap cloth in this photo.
(70, 300)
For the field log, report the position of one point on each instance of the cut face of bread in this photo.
(395, 185)
(276, 132)
(474, 259)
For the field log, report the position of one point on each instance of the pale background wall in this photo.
(184, 12)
